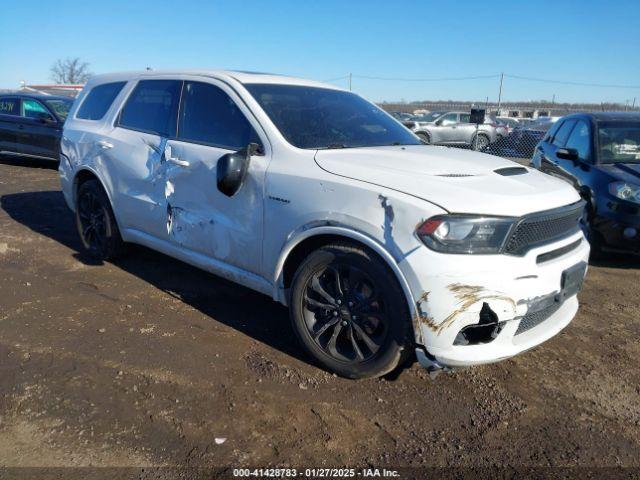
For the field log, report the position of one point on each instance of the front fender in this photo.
(330, 227)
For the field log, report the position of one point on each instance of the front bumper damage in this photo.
(475, 309)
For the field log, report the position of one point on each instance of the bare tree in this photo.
(70, 71)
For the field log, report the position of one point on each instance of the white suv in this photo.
(312, 195)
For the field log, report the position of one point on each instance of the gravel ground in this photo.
(150, 362)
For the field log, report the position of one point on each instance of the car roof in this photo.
(38, 96)
(608, 116)
(225, 75)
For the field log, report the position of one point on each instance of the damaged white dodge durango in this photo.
(379, 245)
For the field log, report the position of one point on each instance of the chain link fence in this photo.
(510, 130)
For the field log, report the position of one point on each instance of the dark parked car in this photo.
(31, 124)
(600, 155)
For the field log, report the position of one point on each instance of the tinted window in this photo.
(465, 117)
(99, 100)
(60, 107)
(563, 133)
(34, 109)
(311, 117)
(580, 140)
(153, 107)
(208, 115)
(10, 106)
(449, 119)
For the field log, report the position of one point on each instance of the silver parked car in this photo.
(453, 128)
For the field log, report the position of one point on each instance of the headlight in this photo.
(625, 191)
(465, 233)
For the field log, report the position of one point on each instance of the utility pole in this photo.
(553, 100)
(500, 92)
(350, 76)
(633, 106)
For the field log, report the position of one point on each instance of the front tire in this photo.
(480, 142)
(349, 312)
(96, 223)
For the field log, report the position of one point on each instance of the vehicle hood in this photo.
(459, 181)
(627, 172)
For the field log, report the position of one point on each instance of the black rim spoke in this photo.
(345, 313)
(92, 221)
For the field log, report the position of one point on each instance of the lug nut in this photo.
(344, 323)
(335, 314)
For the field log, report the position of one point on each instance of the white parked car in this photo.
(379, 245)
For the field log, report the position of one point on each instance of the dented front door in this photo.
(199, 217)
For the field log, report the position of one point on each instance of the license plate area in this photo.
(571, 281)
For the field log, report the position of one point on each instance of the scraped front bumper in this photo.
(519, 301)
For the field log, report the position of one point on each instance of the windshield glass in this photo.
(311, 117)
(60, 107)
(619, 142)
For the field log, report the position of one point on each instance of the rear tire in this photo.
(96, 223)
(480, 143)
(349, 312)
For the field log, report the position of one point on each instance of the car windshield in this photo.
(61, 107)
(619, 142)
(311, 117)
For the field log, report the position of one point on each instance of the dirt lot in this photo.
(151, 362)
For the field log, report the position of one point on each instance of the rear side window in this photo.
(152, 107)
(208, 115)
(99, 100)
(561, 136)
(10, 106)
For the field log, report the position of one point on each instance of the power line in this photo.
(562, 82)
(443, 79)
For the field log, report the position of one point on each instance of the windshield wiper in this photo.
(336, 145)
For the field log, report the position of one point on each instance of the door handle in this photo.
(20, 127)
(105, 145)
(168, 155)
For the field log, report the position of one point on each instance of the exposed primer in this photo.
(467, 295)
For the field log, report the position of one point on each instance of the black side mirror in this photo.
(46, 119)
(567, 154)
(232, 169)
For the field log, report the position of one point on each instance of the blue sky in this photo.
(580, 41)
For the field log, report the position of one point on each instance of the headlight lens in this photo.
(625, 191)
(465, 233)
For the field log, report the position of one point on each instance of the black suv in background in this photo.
(599, 154)
(31, 124)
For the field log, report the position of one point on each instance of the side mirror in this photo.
(232, 169)
(46, 118)
(567, 154)
(439, 122)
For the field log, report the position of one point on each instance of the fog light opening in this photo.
(485, 331)
(629, 232)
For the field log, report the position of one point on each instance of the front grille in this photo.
(534, 319)
(544, 227)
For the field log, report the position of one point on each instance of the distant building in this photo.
(53, 89)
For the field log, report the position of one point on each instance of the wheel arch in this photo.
(84, 174)
(297, 248)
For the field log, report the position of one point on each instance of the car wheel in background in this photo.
(480, 142)
(96, 223)
(424, 137)
(349, 311)
(593, 237)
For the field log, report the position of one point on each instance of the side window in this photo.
(563, 133)
(152, 107)
(10, 106)
(580, 140)
(98, 101)
(34, 109)
(208, 115)
(465, 117)
(449, 119)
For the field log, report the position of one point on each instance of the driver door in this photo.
(214, 122)
(445, 129)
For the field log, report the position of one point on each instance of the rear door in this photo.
(9, 121)
(39, 131)
(133, 153)
(213, 122)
